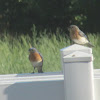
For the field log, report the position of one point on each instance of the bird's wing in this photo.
(82, 34)
(41, 55)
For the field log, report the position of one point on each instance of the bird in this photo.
(78, 37)
(36, 59)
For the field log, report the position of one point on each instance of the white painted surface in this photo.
(78, 56)
(78, 73)
(25, 87)
(70, 49)
(20, 78)
(97, 84)
(46, 86)
(78, 82)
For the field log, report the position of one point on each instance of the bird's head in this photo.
(32, 50)
(73, 28)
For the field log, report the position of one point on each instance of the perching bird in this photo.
(36, 59)
(77, 36)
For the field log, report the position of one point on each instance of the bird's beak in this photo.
(29, 49)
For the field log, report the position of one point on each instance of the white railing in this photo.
(77, 81)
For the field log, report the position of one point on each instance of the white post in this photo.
(78, 74)
(70, 49)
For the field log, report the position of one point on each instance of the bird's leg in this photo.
(33, 70)
(40, 69)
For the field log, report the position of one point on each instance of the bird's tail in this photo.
(89, 45)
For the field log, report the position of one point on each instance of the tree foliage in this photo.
(22, 14)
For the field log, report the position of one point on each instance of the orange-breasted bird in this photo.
(77, 36)
(36, 59)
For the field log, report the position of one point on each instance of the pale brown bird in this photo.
(77, 36)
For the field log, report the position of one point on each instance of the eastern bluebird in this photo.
(77, 36)
(36, 59)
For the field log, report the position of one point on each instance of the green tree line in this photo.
(19, 15)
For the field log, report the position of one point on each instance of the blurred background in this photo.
(43, 23)
(20, 15)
